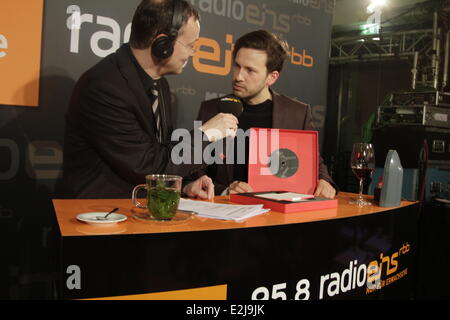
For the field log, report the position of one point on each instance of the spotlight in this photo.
(374, 4)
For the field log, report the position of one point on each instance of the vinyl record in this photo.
(283, 163)
(289, 164)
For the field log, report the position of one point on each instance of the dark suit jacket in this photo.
(287, 114)
(110, 136)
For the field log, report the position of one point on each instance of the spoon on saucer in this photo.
(106, 217)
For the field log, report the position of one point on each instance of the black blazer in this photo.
(287, 114)
(110, 136)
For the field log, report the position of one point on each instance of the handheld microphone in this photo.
(231, 104)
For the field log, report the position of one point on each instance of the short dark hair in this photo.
(153, 17)
(277, 50)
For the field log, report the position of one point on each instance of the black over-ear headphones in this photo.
(162, 46)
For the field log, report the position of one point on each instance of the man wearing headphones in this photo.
(119, 122)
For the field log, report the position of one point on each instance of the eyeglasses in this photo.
(192, 47)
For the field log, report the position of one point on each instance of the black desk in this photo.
(326, 254)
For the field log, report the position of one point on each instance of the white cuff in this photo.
(225, 192)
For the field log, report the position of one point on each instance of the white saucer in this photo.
(91, 218)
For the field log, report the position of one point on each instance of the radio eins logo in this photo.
(20, 52)
(212, 57)
(255, 14)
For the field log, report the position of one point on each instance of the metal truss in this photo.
(398, 44)
(427, 47)
(423, 48)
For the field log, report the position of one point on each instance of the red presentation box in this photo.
(283, 161)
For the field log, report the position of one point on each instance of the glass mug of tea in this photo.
(163, 196)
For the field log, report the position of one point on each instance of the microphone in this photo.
(231, 104)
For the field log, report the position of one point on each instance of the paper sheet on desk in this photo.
(286, 196)
(222, 211)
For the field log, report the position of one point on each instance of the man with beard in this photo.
(258, 59)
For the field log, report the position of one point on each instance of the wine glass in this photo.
(362, 163)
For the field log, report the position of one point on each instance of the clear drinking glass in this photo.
(163, 196)
(363, 164)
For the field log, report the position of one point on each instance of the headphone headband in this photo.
(163, 46)
(177, 18)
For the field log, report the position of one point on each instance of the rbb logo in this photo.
(75, 22)
(184, 90)
(301, 59)
(301, 19)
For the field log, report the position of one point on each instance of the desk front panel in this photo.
(326, 259)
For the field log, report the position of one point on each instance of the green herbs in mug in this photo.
(162, 202)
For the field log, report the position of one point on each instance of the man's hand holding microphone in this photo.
(225, 123)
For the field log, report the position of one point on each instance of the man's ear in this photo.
(272, 78)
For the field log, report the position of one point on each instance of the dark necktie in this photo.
(155, 108)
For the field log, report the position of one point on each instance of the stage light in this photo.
(374, 4)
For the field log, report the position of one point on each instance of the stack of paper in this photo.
(286, 196)
(222, 211)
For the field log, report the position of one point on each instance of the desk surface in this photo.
(67, 210)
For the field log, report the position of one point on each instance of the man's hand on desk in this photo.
(202, 188)
(239, 187)
(325, 190)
